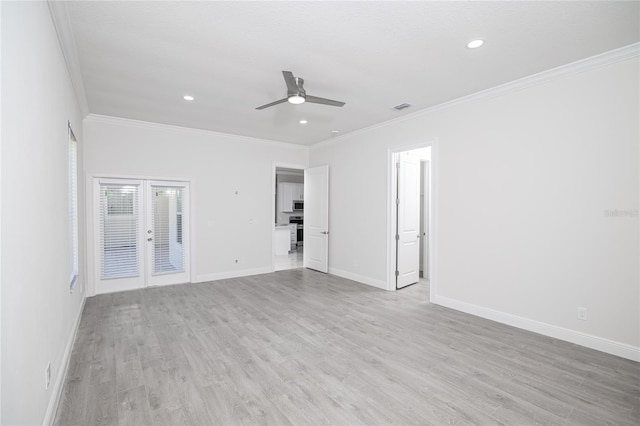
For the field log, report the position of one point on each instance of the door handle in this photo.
(149, 239)
(325, 232)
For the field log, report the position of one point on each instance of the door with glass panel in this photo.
(166, 233)
(141, 233)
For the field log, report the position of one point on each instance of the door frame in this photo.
(93, 267)
(426, 182)
(432, 219)
(276, 165)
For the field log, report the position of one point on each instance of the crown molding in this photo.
(118, 121)
(582, 65)
(60, 18)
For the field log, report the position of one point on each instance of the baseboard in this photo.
(56, 392)
(359, 278)
(598, 343)
(232, 274)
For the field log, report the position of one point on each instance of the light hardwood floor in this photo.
(300, 347)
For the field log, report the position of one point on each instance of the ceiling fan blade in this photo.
(272, 104)
(316, 100)
(292, 86)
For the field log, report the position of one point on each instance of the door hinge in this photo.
(397, 237)
(397, 201)
(397, 165)
(397, 273)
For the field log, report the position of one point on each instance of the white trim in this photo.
(358, 278)
(118, 121)
(582, 65)
(233, 274)
(60, 18)
(56, 392)
(598, 343)
(119, 177)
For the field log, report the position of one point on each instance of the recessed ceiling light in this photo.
(474, 44)
(335, 132)
(188, 98)
(303, 121)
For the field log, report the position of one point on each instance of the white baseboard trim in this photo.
(359, 278)
(56, 392)
(598, 343)
(232, 274)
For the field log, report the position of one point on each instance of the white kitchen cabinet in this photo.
(285, 197)
(282, 240)
(289, 192)
(298, 191)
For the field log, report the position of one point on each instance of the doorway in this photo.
(288, 231)
(309, 212)
(411, 221)
(141, 233)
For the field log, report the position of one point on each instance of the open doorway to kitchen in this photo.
(411, 219)
(288, 232)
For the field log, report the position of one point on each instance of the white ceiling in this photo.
(137, 59)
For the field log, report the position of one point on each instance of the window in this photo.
(119, 203)
(119, 230)
(73, 206)
(179, 218)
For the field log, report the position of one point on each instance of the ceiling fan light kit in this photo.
(296, 94)
(296, 99)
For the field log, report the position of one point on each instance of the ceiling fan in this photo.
(297, 95)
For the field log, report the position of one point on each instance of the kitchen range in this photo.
(299, 221)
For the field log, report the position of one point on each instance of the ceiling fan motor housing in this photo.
(298, 96)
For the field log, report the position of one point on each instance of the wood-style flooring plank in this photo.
(133, 407)
(300, 347)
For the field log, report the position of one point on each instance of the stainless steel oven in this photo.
(298, 220)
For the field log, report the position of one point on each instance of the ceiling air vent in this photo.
(401, 106)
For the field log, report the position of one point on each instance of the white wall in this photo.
(38, 311)
(524, 180)
(225, 226)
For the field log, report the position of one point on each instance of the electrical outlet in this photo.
(582, 314)
(47, 376)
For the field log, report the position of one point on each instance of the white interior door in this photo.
(118, 223)
(167, 233)
(426, 207)
(408, 220)
(141, 234)
(316, 218)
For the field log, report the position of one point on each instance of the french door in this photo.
(141, 233)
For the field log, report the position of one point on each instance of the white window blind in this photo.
(168, 253)
(73, 207)
(119, 230)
